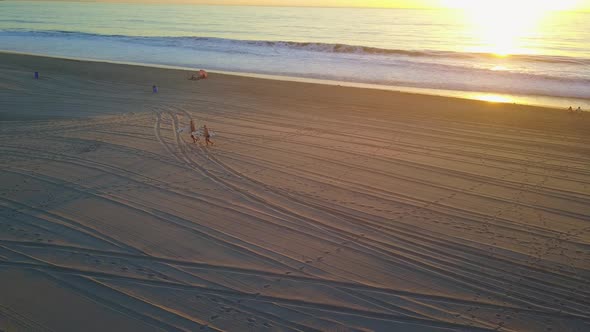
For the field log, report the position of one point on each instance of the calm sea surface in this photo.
(547, 57)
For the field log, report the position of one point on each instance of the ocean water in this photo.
(429, 50)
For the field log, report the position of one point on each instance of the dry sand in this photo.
(320, 208)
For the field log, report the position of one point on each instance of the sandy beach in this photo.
(319, 208)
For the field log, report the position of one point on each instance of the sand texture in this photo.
(319, 208)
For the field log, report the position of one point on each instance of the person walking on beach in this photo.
(570, 110)
(193, 131)
(579, 110)
(207, 135)
(154, 88)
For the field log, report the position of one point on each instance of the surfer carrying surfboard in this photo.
(207, 135)
(193, 128)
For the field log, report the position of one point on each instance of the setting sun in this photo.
(500, 25)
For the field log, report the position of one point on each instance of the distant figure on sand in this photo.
(207, 135)
(154, 89)
(570, 110)
(36, 75)
(579, 110)
(201, 75)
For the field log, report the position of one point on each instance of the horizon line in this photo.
(268, 6)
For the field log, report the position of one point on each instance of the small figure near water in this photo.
(201, 75)
(577, 111)
(154, 88)
(36, 75)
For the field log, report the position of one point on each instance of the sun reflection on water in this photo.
(499, 68)
(494, 98)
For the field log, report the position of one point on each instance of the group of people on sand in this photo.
(205, 132)
(194, 133)
(577, 111)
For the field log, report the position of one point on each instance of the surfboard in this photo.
(182, 130)
(200, 133)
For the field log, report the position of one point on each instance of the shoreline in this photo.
(93, 79)
(559, 103)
